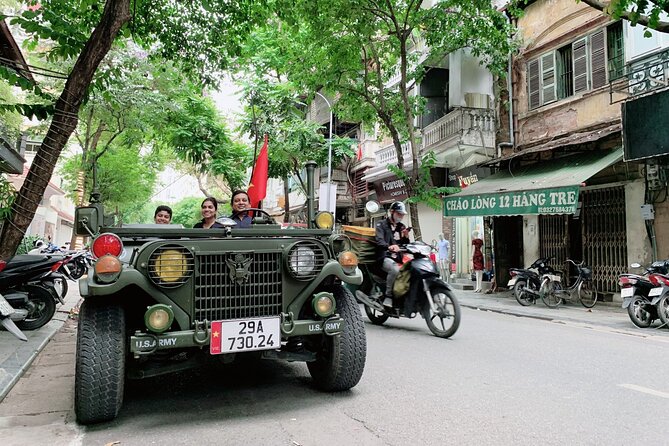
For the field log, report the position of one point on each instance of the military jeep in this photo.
(161, 299)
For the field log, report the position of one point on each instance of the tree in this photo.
(81, 30)
(274, 108)
(638, 12)
(354, 48)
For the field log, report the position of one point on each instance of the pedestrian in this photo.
(208, 208)
(477, 260)
(443, 254)
(239, 203)
(162, 215)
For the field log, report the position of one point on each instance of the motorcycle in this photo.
(427, 294)
(641, 293)
(26, 284)
(525, 282)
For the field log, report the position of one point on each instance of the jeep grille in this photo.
(238, 285)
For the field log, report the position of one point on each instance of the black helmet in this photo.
(398, 206)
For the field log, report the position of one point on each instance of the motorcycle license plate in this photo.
(5, 308)
(512, 282)
(655, 291)
(245, 335)
(626, 292)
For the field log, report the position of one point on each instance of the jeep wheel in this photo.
(100, 364)
(340, 362)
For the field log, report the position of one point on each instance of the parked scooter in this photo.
(639, 292)
(426, 295)
(526, 283)
(25, 284)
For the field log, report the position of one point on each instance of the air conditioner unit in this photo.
(476, 100)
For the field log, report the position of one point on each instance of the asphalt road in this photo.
(500, 380)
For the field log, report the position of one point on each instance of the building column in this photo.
(639, 248)
(531, 248)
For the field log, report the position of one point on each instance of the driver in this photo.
(240, 202)
(390, 233)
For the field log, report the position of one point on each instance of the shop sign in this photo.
(391, 189)
(561, 200)
(464, 177)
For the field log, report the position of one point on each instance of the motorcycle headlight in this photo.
(305, 260)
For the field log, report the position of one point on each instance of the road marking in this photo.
(645, 390)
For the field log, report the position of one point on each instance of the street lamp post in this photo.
(327, 200)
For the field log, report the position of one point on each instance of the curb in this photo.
(16, 365)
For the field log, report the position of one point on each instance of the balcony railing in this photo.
(639, 76)
(457, 123)
(388, 155)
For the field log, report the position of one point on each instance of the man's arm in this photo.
(381, 236)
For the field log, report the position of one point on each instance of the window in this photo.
(616, 51)
(580, 66)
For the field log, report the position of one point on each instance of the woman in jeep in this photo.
(209, 207)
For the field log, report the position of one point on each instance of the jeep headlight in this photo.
(324, 220)
(170, 265)
(305, 260)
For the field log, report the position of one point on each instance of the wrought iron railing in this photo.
(638, 77)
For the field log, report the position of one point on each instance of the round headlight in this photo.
(170, 265)
(303, 261)
(324, 220)
(323, 304)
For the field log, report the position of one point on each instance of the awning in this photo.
(548, 187)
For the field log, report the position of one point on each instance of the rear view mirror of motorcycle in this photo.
(635, 265)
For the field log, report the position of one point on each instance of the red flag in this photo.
(359, 154)
(258, 185)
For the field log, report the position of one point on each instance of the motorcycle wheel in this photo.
(41, 308)
(549, 293)
(375, 316)
(520, 294)
(663, 310)
(638, 314)
(587, 294)
(445, 321)
(77, 269)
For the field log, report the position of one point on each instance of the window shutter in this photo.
(533, 84)
(580, 59)
(548, 78)
(598, 58)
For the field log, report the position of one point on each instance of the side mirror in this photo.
(635, 265)
(87, 220)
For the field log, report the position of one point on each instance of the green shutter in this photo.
(548, 93)
(598, 58)
(533, 84)
(580, 59)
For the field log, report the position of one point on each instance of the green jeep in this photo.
(160, 299)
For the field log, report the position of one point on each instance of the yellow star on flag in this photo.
(215, 334)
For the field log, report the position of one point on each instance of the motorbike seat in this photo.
(25, 260)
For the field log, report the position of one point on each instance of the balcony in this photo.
(462, 126)
(638, 77)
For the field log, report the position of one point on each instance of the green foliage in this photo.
(186, 212)
(643, 12)
(424, 191)
(27, 244)
(7, 196)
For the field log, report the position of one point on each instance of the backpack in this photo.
(401, 285)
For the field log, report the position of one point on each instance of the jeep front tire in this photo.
(100, 363)
(341, 360)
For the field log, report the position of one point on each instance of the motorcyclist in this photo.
(390, 234)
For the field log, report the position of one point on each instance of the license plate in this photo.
(626, 292)
(245, 335)
(512, 282)
(655, 291)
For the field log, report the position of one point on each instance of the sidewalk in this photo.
(16, 356)
(603, 314)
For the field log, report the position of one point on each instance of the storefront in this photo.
(546, 209)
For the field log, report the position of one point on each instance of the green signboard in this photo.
(561, 200)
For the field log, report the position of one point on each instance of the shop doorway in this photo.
(508, 239)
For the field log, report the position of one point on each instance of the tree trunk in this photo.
(286, 197)
(65, 118)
